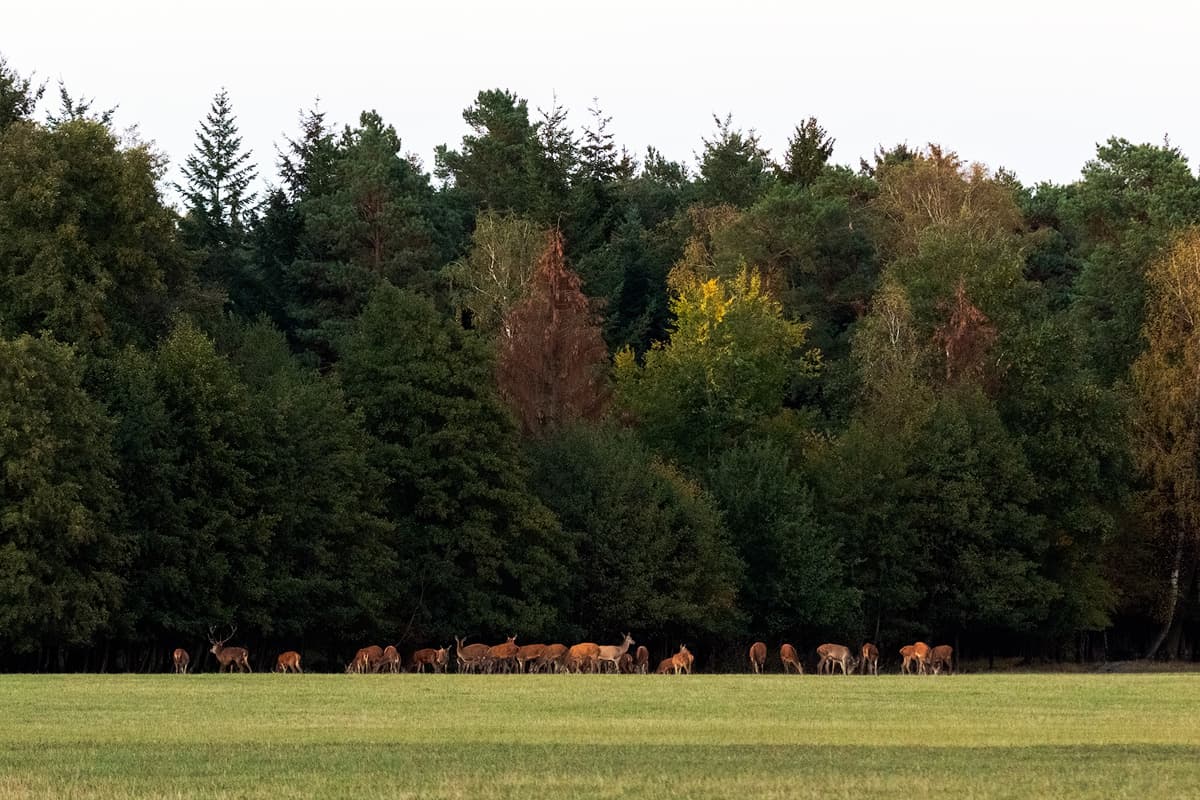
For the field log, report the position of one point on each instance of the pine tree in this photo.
(808, 151)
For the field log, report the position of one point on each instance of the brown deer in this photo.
(288, 661)
(642, 660)
(921, 653)
(906, 653)
(470, 656)
(425, 657)
(441, 659)
(553, 658)
(833, 655)
(389, 661)
(528, 655)
(625, 665)
(682, 661)
(583, 657)
(365, 659)
(758, 657)
(941, 657)
(229, 657)
(787, 654)
(503, 655)
(870, 659)
(181, 659)
(611, 654)
(666, 666)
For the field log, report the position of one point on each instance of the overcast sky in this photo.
(1032, 86)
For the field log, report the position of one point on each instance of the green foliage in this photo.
(18, 95)
(648, 551)
(62, 559)
(478, 552)
(734, 168)
(808, 150)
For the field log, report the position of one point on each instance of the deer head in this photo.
(219, 644)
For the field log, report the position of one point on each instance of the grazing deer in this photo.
(666, 666)
(181, 659)
(758, 657)
(642, 660)
(583, 656)
(389, 660)
(553, 658)
(625, 665)
(229, 656)
(941, 656)
(682, 661)
(528, 655)
(470, 656)
(787, 654)
(611, 654)
(503, 655)
(288, 661)
(870, 659)
(921, 653)
(365, 659)
(835, 655)
(425, 657)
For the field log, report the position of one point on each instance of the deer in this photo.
(441, 659)
(503, 655)
(425, 657)
(470, 656)
(180, 659)
(666, 666)
(552, 658)
(921, 654)
(288, 661)
(229, 657)
(611, 654)
(835, 655)
(528, 656)
(941, 656)
(906, 653)
(758, 657)
(682, 661)
(582, 656)
(641, 661)
(365, 659)
(389, 660)
(870, 659)
(625, 665)
(787, 654)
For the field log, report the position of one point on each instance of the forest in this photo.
(555, 389)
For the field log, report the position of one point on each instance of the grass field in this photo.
(728, 736)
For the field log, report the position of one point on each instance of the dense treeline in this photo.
(557, 390)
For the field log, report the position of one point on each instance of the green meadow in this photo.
(718, 736)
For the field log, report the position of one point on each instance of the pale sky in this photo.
(1032, 86)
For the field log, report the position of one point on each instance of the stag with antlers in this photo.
(229, 657)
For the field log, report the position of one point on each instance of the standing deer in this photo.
(181, 659)
(229, 656)
(906, 653)
(666, 666)
(758, 657)
(288, 661)
(528, 655)
(389, 660)
(835, 655)
(682, 661)
(441, 659)
(941, 656)
(787, 654)
(470, 656)
(625, 666)
(921, 653)
(553, 658)
(642, 660)
(503, 655)
(425, 657)
(583, 656)
(611, 654)
(870, 659)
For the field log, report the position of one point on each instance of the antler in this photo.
(232, 631)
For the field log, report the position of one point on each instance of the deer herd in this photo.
(587, 657)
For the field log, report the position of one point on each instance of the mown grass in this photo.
(260, 736)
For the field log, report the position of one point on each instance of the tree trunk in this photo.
(1173, 599)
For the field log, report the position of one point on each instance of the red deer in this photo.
(758, 657)
(470, 656)
(642, 660)
(503, 655)
(787, 654)
(921, 654)
(582, 657)
(666, 666)
(180, 658)
(553, 658)
(428, 657)
(229, 657)
(288, 662)
(835, 655)
(441, 660)
(365, 659)
(625, 665)
(611, 654)
(682, 661)
(870, 659)
(941, 657)
(906, 653)
(389, 660)
(529, 653)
